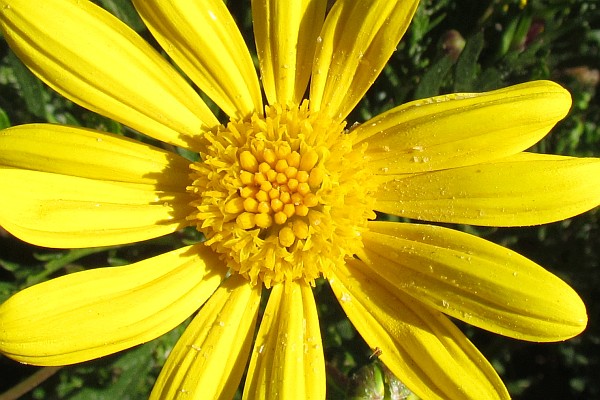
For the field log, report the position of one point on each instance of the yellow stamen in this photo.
(273, 194)
(277, 205)
(285, 197)
(309, 160)
(292, 184)
(262, 196)
(286, 237)
(264, 207)
(280, 178)
(251, 205)
(296, 194)
(291, 172)
(316, 177)
(283, 150)
(234, 206)
(281, 166)
(248, 161)
(302, 176)
(310, 200)
(280, 218)
(300, 229)
(266, 186)
(303, 188)
(301, 210)
(263, 220)
(293, 159)
(245, 220)
(259, 178)
(264, 168)
(269, 156)
(246, 177)
(289, 210)
(247, 191)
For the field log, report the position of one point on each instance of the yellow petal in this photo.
(474, 280)
(356, 42)
(462, 129)
(210, 357)
(286, 36)
(93, 313)
(287, 360)
(55, 210)
(205, 42)
(95, 60)
(91, 154)
(419, 345)
(515, 191)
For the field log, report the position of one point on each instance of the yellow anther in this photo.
(303, 188)
(264, 167)
(293, 159)
(269, 156)
(315, 217)
(269, 202)
(250, 204)
(259, 178)
(271, 175)
(259, 147)
(266, 186)
(264, 207)
(273, 194)
(310, 200)
(283, 150)
(309, 160)
(302, 176)
(248, 191)
(262, 196)
(263, 220)
(297, 199)
(300, 229)
(280, 218)
(286, 236)
(245, 220)
(291, 172)
(316, 177)
(248, 161)
(234, 206)
(281, 166)
(281, 178)
(285, 197)
(246, 177)
(289, 210)
(301, 210)
(276, 205)
(292, 185)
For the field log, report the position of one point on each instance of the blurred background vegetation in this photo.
(452, 46)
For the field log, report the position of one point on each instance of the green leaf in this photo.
(57, 261)
(4, 120)
(434, 78)
(124, 10)
(131, 371)
(467, 67)
(34, 94)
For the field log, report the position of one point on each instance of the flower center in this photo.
(281, 196)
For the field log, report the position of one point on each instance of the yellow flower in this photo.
(283, 195)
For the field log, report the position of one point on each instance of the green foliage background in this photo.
(505, 42)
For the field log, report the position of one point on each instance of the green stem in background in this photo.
(29, 384)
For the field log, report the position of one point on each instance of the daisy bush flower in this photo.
(284, 193)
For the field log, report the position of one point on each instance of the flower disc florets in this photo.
(281, 197)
